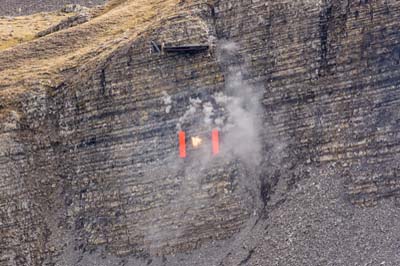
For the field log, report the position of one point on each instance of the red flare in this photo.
(182, 144)
(215, 141)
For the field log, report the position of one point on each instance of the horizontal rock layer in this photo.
(93, 163)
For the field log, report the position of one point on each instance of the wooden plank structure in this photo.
(187, 48)
(184, 48)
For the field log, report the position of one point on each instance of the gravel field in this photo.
(26, 7)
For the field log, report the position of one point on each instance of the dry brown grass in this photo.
(16, 30)
(38, 63)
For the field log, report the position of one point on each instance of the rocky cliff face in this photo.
(304, 94)
(26, 7)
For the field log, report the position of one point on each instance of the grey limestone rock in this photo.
(306, 96)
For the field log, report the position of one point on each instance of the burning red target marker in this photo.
(197, 141)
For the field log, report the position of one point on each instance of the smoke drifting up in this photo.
(243, 108)
(235, 111)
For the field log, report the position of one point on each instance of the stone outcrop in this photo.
(67, 23)
(89, 165)
(27, 7)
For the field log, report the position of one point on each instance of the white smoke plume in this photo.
(167, 101)
(242, 103)
(236, 113)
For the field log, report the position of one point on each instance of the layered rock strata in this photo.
(303, 92)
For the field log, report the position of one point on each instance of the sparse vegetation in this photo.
(28, 62)
(16, 30)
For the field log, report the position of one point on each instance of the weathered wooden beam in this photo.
(188, 48)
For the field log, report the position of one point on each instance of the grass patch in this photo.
(28, 63)
(17, 30)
